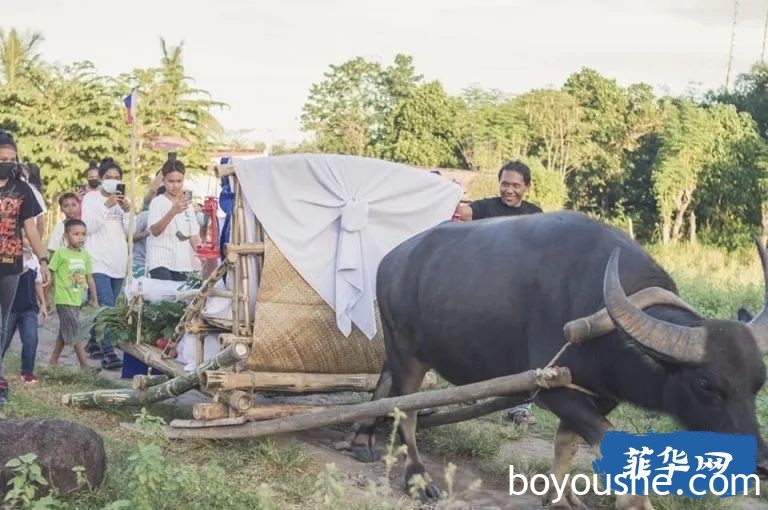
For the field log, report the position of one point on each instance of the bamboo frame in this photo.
(195, 307)
(524, 382)
(171, 388)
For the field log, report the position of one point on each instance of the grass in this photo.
(249, 465)
(280, 473)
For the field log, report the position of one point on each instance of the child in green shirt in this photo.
(71, 266)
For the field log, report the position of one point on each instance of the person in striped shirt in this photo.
(173, 226)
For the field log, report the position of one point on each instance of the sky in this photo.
(261, 56)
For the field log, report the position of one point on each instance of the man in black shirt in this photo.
(514, 181)
(18, 209)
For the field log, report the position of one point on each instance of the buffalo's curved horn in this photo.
(600, 323)
(759, 324)
(672, 341)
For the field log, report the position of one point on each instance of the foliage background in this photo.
(672, 169)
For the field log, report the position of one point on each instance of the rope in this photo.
(548, 372)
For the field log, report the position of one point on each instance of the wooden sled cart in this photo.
(258, 339)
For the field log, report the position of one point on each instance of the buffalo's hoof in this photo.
(429, 493)
(365, 453)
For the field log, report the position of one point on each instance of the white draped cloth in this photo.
(335, 217)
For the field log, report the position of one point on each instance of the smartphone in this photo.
(188, 195)
(120, 188)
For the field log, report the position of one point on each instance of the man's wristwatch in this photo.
(43, 259)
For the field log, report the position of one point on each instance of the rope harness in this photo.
(546, 373)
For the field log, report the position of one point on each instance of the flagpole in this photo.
(131, 223)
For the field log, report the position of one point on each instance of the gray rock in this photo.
(60, 445)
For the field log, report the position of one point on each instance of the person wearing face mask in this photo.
(18, 212)
(106, 215)
(92, 178)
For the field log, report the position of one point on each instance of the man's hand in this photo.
(43, 312)
(93, 303)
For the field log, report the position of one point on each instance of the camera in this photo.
(120, 188)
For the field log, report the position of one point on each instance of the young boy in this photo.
(70, 206)
(28, 304)
(71, 266)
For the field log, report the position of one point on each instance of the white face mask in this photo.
(109, 186)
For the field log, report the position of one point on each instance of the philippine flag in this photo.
(130, 106)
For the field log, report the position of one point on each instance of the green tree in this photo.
(421, 128)
(65, 117)
(557, 132)
(618, 118)
(349, 109)
(18, 55)
(750, 94)
(732, 185)
(489, 130)
(168, 105)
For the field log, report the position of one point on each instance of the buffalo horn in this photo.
(759, 324)
(677, 343)
(600, 323)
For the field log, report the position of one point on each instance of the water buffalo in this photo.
(491, 298)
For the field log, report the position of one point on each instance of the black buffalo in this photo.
(491, 298)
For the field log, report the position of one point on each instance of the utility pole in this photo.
(733, 39)
(765, 35)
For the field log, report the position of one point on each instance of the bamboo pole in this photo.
(293, 382)
(469, 412)
(217, 411)
(233, 260)
(512, 384)
(153, 357)
(209, 326)
(210, 411)
(237, 400)
(171, 388)
(226, 339)
(142, 382)
(244, 298)
(200, 349)
(244, 248)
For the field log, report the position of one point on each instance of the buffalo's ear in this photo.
(744, 315)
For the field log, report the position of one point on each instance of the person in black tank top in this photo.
(514, 182)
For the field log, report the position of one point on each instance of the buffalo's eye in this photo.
(705, 385)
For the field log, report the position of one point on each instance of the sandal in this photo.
(521, 417)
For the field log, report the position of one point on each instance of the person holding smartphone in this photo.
(106, 215)
(175, 232)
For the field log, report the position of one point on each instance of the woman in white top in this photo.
(175, 232)
(106, 214)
